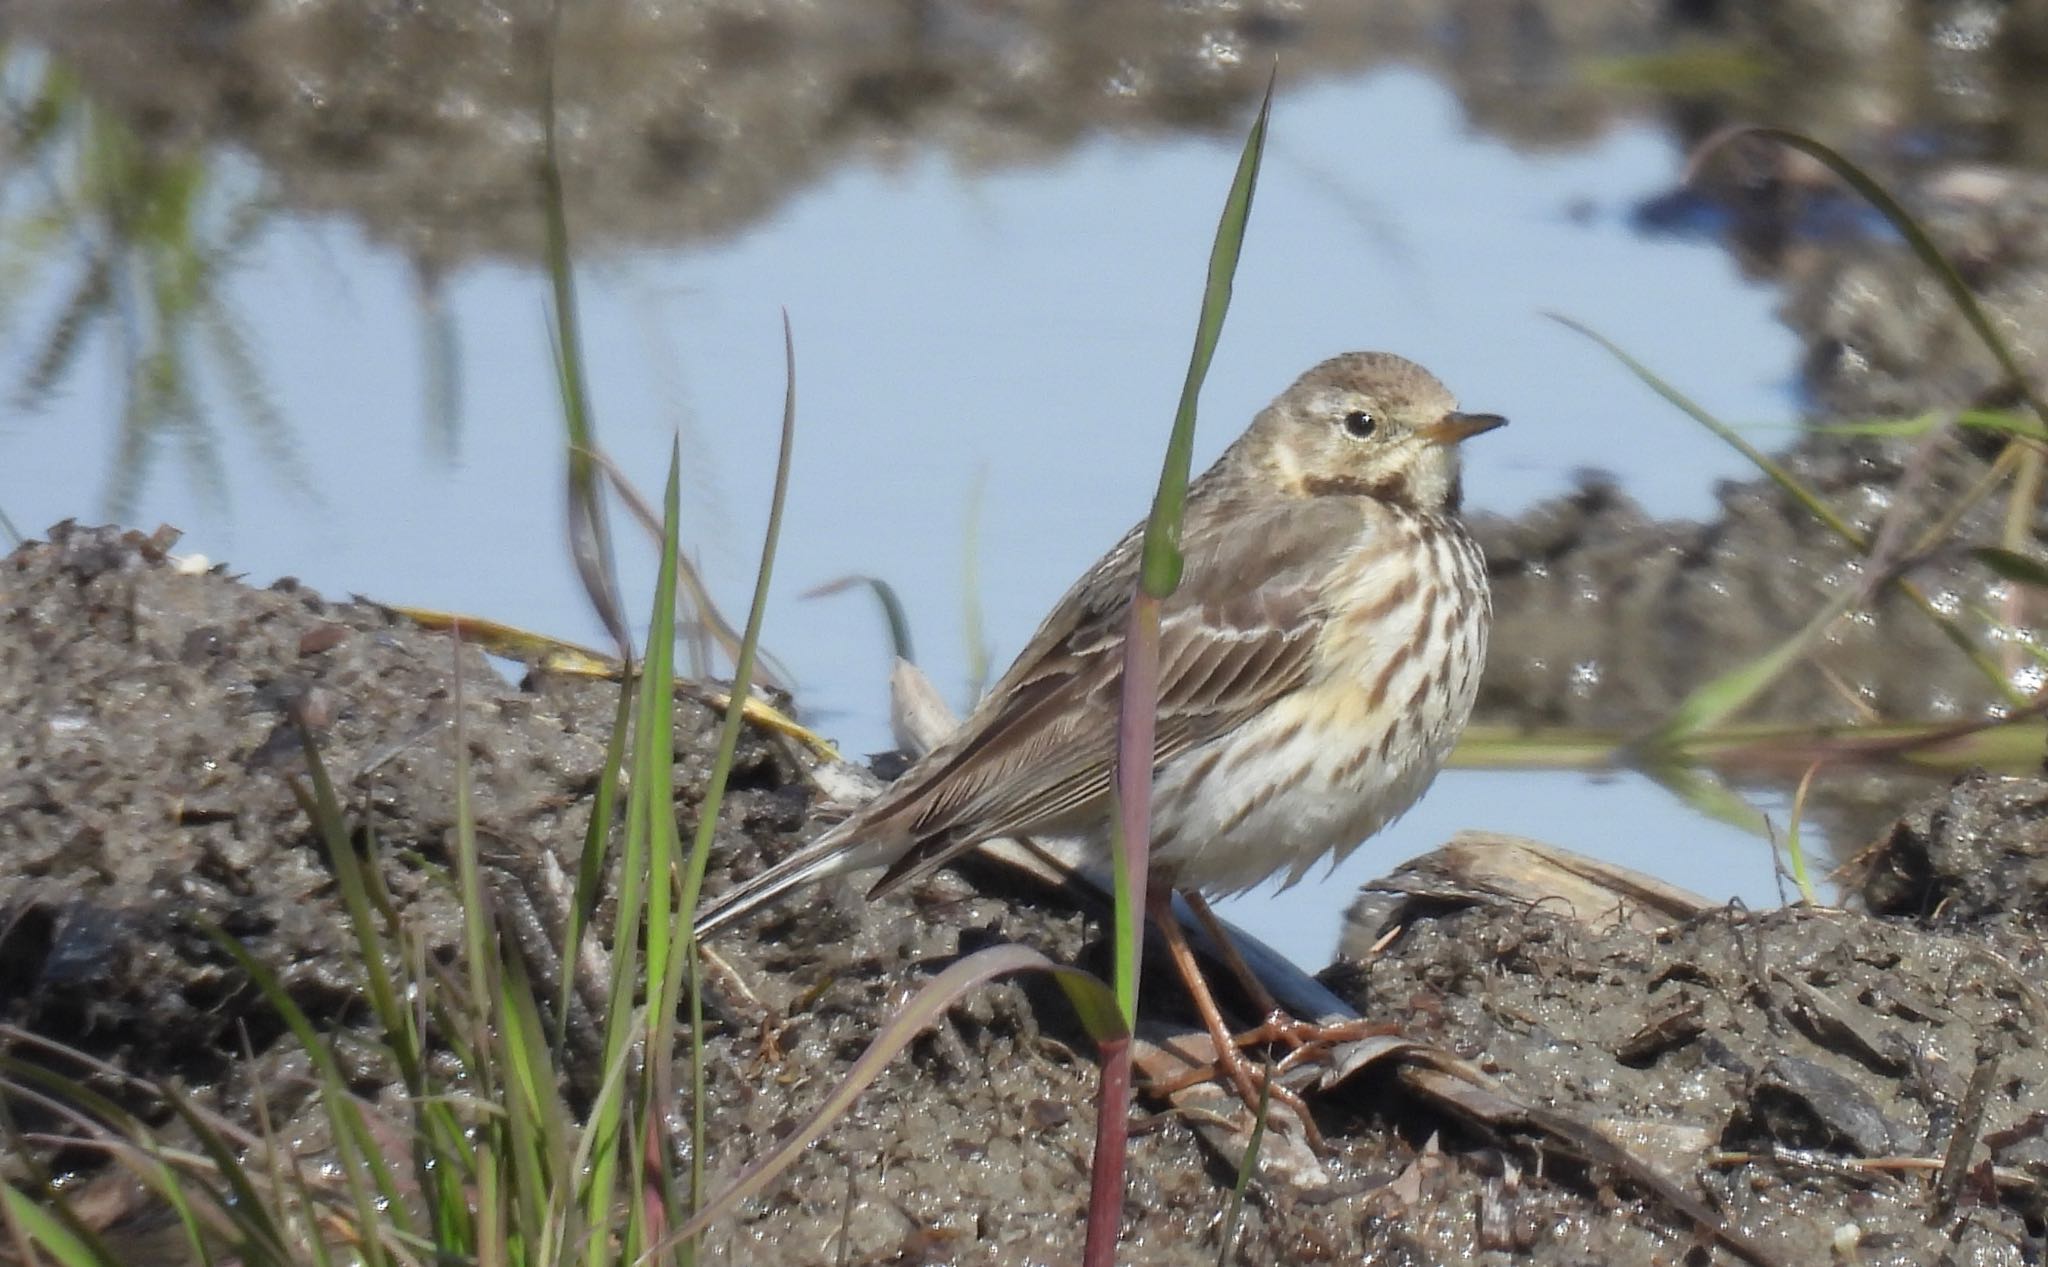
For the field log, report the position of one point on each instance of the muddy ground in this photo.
(1789, 1067)
(1803, 1072)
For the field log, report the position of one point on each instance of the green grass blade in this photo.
(1162, 562)
(308, 1207)
(728, 743)
(1160, 569)
(692, 595)
(536, 1140)
(1688, 69)
(1763, 461)
(70, 1097)
(1130, 812)
(2012, 744)
(654, 793)
(597, 836)
(1247, 1166)
(886, 597)
(448, 1161)
(34, 1224)
(352, 1135)
(654, 762)
(1722, 697)
(479, 944)
(1794, 850)
(255, 1217)
(1707, 793)
(1996, 421)
(2012, 565)
(1922, 246)
(1778, 475)
(325, 810)
(644, 892)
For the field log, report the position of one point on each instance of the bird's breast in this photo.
(1392, 682)
(1405, 633)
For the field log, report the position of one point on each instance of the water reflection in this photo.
(305, 243)
(118, 248)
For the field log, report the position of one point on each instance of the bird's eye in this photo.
(1359, 424)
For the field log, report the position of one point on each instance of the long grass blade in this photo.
(349, 874)
(590, 541)
(597, 836)
(1722, 697)
(728, 742)
(1160, 572)
(1776, 472)
(886, 597)
(1996, 421)
(363, 1161)
(1908, 227)
(689, 581)
(2012, 565)
(1710, 795)
(653, 795)
(1794, 849)
(1247, 1166)
(257, 1218)
(98, 1116)
(1778, 475)
(1131, 799)
(2021, 506)
(32, 1223)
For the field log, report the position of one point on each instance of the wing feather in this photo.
(1035, 756)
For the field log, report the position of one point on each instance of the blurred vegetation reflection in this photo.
(121, 247)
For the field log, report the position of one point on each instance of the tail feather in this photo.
(829, 855)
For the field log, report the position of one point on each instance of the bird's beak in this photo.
(1455, 427)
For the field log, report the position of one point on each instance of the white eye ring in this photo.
(1359, 425)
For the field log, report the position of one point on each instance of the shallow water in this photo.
(988, 358)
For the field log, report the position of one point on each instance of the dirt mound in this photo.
(1769, 1062)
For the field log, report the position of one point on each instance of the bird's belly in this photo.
(1324, 768)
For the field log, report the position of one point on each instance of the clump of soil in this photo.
(1781, 1061)
(146, 770)
(1976, 855)
(146, 791)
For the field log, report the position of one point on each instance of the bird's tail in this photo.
(829, 855)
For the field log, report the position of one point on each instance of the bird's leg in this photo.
(1280, 1025)
(1243, 1076)
(1277, 1017)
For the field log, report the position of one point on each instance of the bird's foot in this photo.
(1307, 1041)
(1257, 1083)
(1259, 1086)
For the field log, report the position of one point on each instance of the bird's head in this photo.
(1364, 424)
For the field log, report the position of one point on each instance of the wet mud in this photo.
(1863, 1085)
(1607, 617)
(680, 122)
(1802, 1071)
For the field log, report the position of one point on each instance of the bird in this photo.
(1317, 662)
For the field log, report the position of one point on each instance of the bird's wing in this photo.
(1237, 634)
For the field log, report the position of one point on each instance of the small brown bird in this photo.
(1316, 664)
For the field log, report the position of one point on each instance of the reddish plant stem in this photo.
(1112, 1140)
(1136, 720)
(1133, 808)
